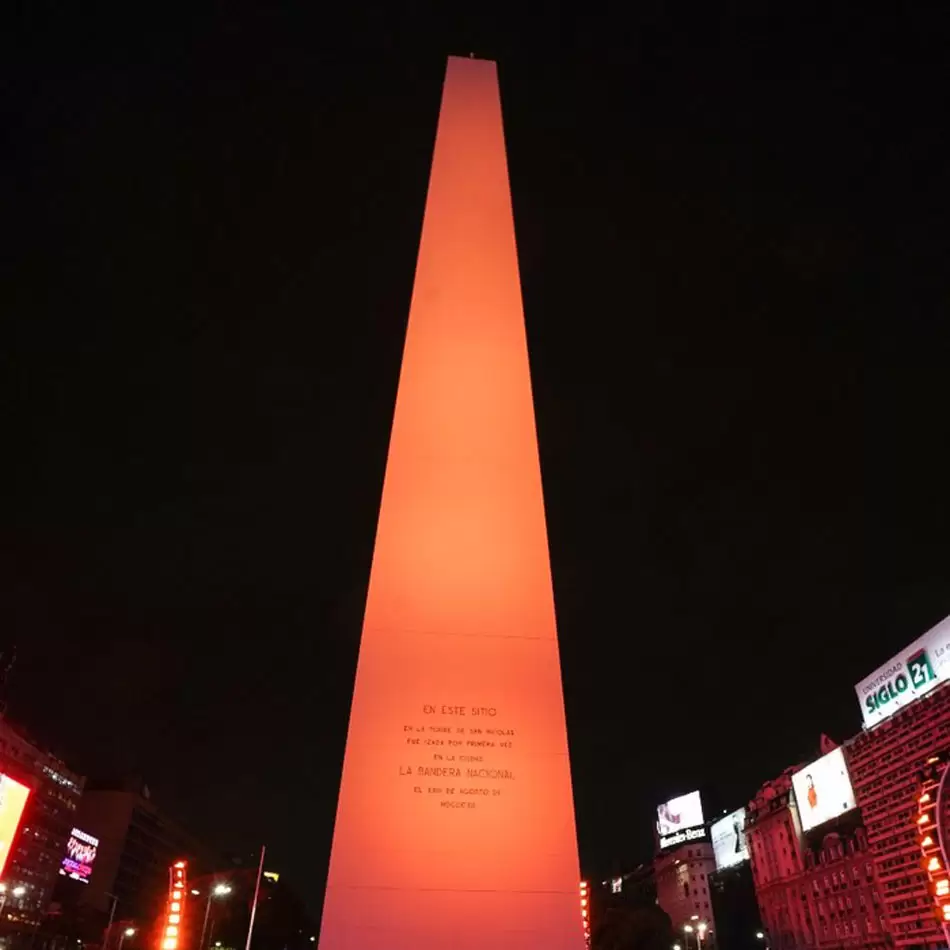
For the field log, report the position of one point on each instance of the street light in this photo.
(128, 932)
(701, 933)
(18, 891)
(219, 890)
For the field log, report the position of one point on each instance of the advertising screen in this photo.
(13, 798)
(823, 790)
(916, 670)
(81, 850)
(728, 840)
(679, 820)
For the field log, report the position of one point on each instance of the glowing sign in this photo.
(728, 840)
(81, 851)
(455, 821)
(175, 906)
(13, 798)
(680, 820)
(823, 790)
(585, 910)
(930, 836)
(915, 671)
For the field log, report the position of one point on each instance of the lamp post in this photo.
(128, 932)
(761, 935)
(108, 933)
(687, 930)
(219, 890)
(700, 933)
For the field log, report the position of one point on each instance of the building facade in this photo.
(682, 878)
(37, 851)
(137, 845)
(735, 908)
(884, 762)
(816, 889)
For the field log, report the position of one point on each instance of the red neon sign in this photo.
(175, 907)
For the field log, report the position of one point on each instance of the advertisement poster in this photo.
(823, 790)
(13, 798)
(81, 850)
(915, 671)
(728, 840)
(680, 820)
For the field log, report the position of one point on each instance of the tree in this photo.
(638, 928)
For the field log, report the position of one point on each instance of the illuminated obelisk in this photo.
(455, 825)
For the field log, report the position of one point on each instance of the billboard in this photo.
(728, 840)
(81, 850)
(680, 820)
(823, 790)
(916, 670)
(13, 798)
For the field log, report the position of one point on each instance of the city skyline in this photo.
(738, 399)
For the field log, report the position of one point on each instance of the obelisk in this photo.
(455, 824)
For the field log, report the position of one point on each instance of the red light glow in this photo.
(175, 907)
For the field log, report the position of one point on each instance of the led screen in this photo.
(916, 670)
(680, 820)
(81, 850)
(823, 790)
(13, 798)
(728, 840)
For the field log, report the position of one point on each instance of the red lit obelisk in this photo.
(455, 825)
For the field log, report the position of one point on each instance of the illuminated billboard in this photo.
(728, 840)
(680, 820)
(916, 670)
(13, 798)
(823, 790)
(81, 851)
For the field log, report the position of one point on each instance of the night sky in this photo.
(732, 230)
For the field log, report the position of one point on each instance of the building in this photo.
(682, 877)
(635, 888)
(137, 845)
(817, 887)
(735, 908)
(622, 891)
(32, 868)
(884, 762)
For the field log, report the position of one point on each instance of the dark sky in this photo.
(733, 239)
